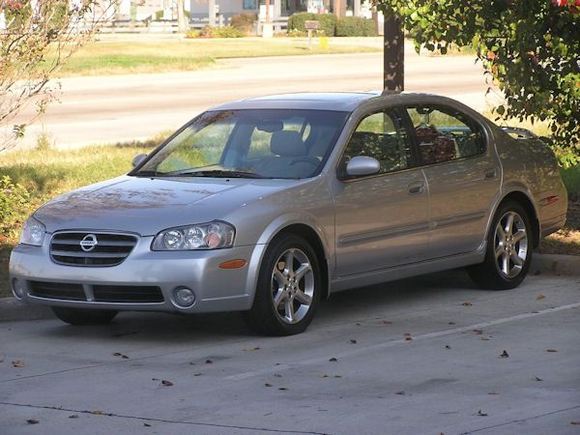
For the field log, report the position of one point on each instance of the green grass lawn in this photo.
(140, 56)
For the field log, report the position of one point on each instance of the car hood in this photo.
(149, 205)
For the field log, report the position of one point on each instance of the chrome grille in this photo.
(80, 249)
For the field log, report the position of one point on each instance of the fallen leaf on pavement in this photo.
(337, 376)
(18, 364)
(504, 354)
(208, 361)
(400, 393)
(283, 389)
(119, 354)
(482, 414)
(197, 374)
(146, 425)
(32, 421)
(552, 350)
(408, 336)
(352, 341)
(332, 359)
(540, 297)
(538, 379)
(166, 383)
(467, 304)
(73, 416)
(267, 385)
(478, 331)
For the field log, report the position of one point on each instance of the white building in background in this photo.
(145, 9)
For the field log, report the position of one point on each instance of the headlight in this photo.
(32, 233)
(212, 235)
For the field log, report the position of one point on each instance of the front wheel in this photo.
(79, 316)
(509, 250)
(288, 288)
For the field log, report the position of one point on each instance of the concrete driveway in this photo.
(428, 355)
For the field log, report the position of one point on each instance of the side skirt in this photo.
(407, 270)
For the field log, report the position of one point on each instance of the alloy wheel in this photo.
(511, 244)
(292, 286)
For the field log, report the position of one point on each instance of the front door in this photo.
(381, 220)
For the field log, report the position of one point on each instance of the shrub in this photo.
(13, 205)
(327, 22)
(226, 32)
(244, 22)
(215, 32)
(355, 26)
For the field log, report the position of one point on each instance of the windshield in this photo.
(249, 144)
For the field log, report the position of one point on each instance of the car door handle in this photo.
(415, 188)
(490, 173)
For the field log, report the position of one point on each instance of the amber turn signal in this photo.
(233, 264)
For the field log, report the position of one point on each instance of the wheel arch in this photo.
(312, 237)
(523, 198)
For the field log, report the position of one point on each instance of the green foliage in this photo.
(13, 203)
(215, 32)
(244, 22)
(327, 22)
(529, 50)
(355, 26)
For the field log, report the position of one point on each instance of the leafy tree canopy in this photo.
(530, 48)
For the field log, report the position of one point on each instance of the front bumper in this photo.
(215, 289)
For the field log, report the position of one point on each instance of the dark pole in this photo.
(394, 54)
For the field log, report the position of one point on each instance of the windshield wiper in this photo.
(148, 174)
(217, 173)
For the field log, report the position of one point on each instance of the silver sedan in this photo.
(269, 205)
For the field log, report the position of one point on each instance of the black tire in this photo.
(263, 317)
(488, 275)
(79, 316)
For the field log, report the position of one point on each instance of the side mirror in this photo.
(360, 166)
(138, 159)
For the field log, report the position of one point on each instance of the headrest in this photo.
(287, 144)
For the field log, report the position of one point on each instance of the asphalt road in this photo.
(428, 355)
(123, 108)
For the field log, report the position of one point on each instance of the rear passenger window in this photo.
(445, 134)
(378, 136)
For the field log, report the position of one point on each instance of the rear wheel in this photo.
(288, 288)
(79, 316)
(509, 250)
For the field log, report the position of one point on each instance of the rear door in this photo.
(381, 220)
(462, 173)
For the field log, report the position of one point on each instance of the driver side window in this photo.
(380, 136)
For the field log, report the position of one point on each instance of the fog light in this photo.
(19, 288)
(183, 297)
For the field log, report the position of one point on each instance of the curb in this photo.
(555, 264)
(542, 264)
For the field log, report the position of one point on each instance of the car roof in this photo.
(334, 101)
